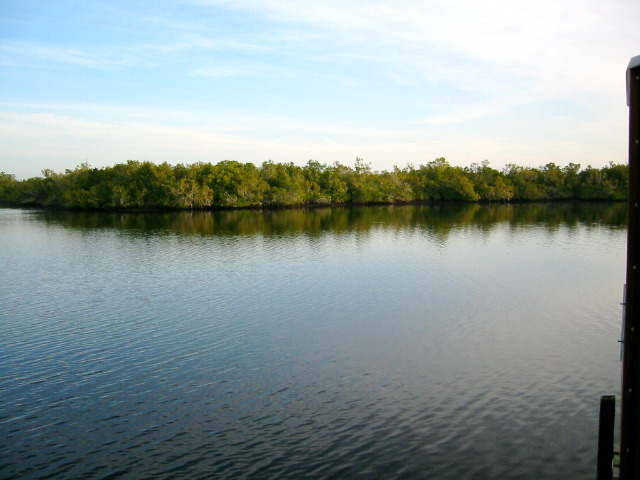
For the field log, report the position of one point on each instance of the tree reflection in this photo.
(436, 220)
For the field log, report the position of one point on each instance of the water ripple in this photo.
(355, 355)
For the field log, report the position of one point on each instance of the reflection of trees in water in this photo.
(437, 220)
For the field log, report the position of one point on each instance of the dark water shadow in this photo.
(438, 220)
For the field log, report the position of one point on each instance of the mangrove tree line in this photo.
(232, 184)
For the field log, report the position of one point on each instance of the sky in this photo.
(395, 82)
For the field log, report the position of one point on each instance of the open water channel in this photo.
(453, 342)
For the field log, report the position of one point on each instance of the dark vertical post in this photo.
(605, 437)
(630, 421)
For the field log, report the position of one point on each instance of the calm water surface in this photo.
(408, 342)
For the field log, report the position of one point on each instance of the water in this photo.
(386, 342)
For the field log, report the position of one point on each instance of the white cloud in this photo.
(245, 69)
(555, 47)
(461, 114)
(506, 80)
(31, 53)
(105, 135)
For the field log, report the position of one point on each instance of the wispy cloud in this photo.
(554, 47)
(461, 114)
(20, 52)
(394, 82)
(108, 134)
(36, 54)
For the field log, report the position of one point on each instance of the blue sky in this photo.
(394, 82)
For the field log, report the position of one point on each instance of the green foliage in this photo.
(231, 184)
(489, 184)
(440, 181)
(526, 182)
(608, 183)
(326, 185)
(234, 184)
(9, 187)
(286, 184)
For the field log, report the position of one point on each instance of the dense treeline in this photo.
(233, 184)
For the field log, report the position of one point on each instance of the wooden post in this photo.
(605, 437)
(630, 418)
